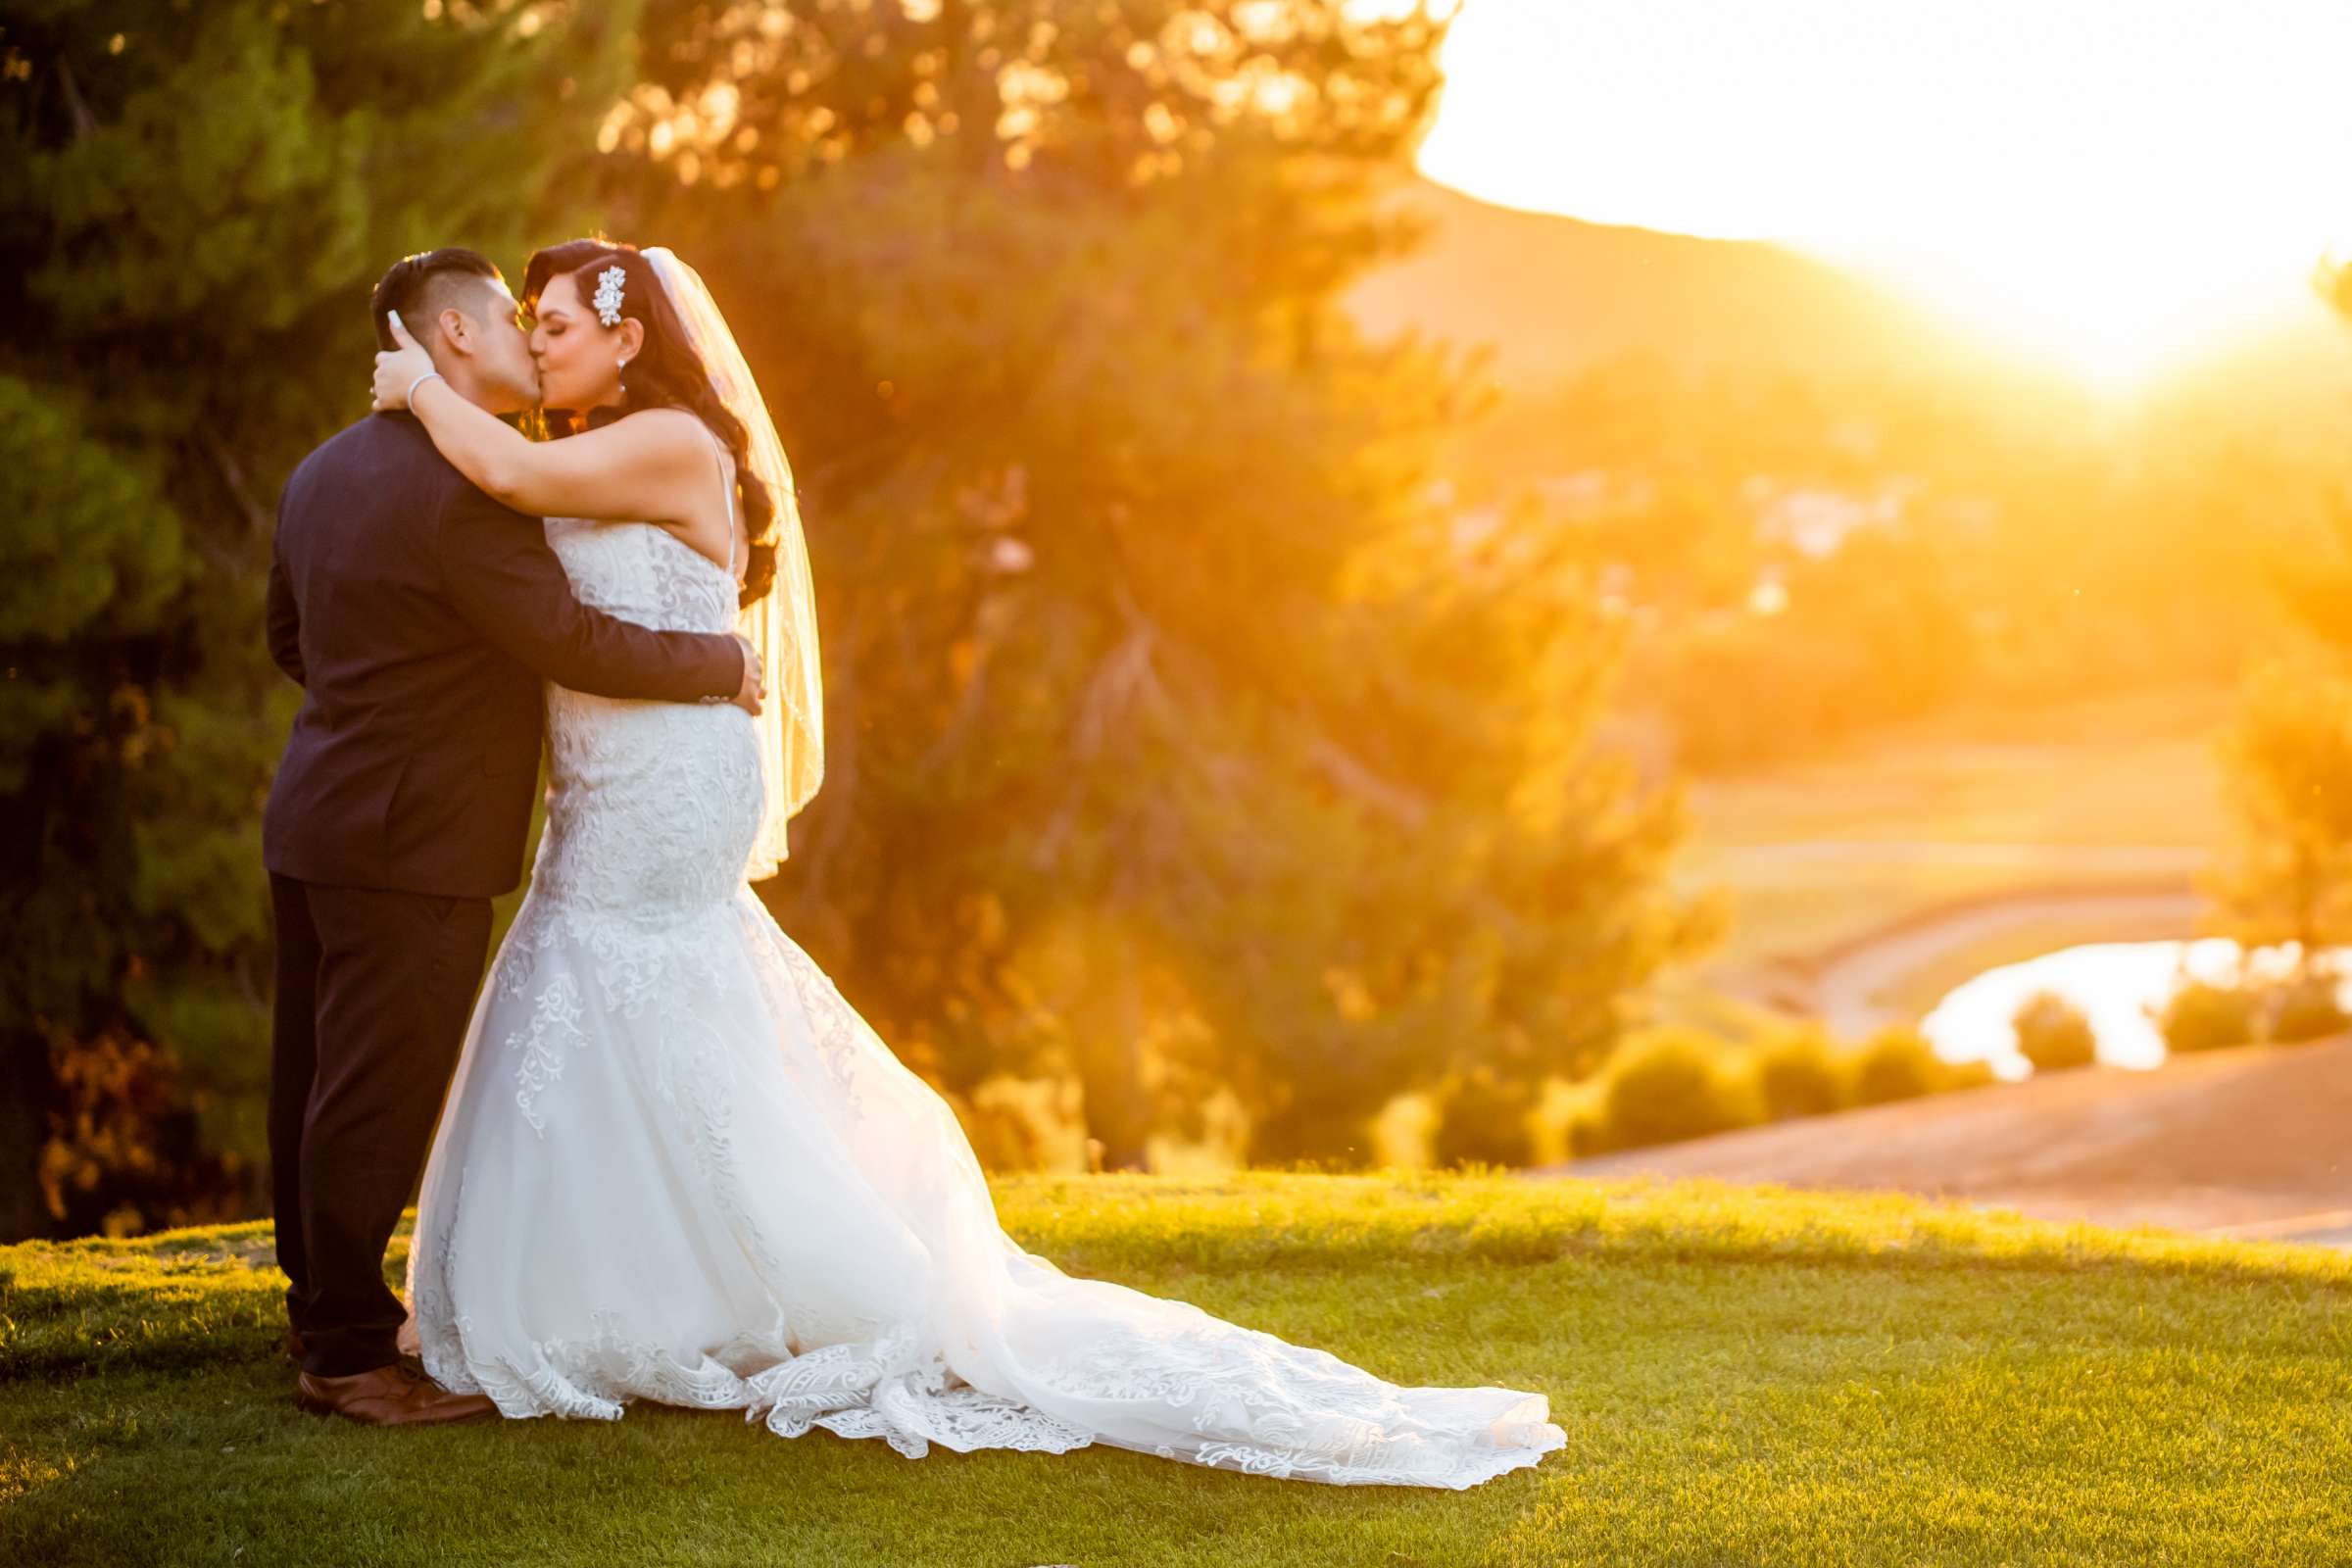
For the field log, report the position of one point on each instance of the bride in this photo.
(675, 1164)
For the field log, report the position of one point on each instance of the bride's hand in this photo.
(397, 370)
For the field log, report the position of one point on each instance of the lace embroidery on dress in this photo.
(555, 1022)
(677, 1165)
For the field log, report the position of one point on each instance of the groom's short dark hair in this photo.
(423, 285)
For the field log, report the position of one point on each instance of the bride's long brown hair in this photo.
(667, 374)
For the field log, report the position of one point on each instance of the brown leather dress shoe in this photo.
(388, 1396)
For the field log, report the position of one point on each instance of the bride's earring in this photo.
(623, 364)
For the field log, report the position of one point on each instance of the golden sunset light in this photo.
(2110, 183)
(856, 778)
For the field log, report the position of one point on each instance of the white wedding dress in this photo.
(675, 1165)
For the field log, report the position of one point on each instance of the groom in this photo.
(419, 618)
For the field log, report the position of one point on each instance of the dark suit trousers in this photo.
(374, 989)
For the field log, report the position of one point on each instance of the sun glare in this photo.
(2111, 184)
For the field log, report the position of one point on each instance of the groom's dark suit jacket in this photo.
(419, 616)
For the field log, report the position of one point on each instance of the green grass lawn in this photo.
(1773, 1378)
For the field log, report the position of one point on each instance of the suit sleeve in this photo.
(507, 583)
(284, 616)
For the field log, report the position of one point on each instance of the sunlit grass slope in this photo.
(1776, 1379)
(2093, 793)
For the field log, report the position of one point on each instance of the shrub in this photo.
(2203, 1016)
(1799, 1072)
(1664, 1085)
(1897, 1063)
(1021, 1124)
(1484, 1117)
(2053, 1034)
(1970, 1074)
(2305, 1009)
(1589, 1129)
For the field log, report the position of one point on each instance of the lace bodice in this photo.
(643, 572)
(653, 807)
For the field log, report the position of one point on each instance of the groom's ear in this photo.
(456, 329)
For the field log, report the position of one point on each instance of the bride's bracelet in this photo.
(409, 397)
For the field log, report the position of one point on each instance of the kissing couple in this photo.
(671, 1162)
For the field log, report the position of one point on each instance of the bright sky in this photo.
(2110, 183)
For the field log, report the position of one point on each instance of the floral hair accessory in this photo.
(607, 294)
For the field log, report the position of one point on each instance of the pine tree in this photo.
(195, 201)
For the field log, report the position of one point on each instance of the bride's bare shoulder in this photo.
(665, 430)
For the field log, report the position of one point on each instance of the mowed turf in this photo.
(1745, 1378)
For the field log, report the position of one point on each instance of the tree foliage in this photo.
(2286, 759)
(1149, 638)
(1175, 736)
(194, 203)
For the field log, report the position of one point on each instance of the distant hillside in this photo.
(1556, 294)
(2288, 386)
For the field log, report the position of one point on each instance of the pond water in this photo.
(2118, 985)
